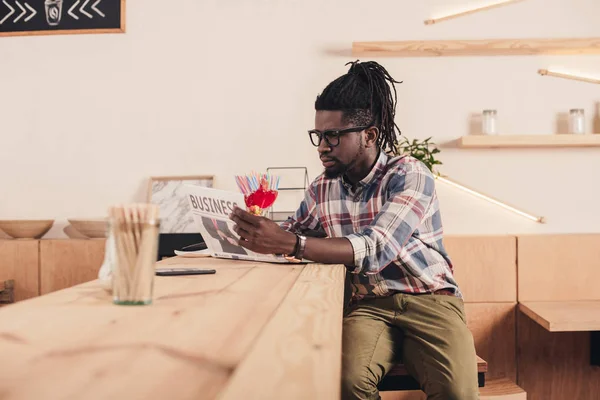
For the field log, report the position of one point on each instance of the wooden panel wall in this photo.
(485, 267)
(65, 263)
(19, 261)
(559, 267)
(486, 270)
(494, 332)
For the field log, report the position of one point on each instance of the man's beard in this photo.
(339, 168)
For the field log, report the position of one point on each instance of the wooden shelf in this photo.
(515, 141)
(491, 47)
(564, 316)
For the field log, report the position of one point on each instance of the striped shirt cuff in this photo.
(360, 246)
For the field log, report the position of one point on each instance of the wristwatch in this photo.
(298, 249)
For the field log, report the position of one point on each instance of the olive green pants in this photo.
(428, 333)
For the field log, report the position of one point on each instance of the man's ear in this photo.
(371, 135)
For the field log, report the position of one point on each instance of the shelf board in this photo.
(490, 47)
(516, 141)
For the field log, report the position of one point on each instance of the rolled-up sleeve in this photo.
(409, 196)
(305, 219)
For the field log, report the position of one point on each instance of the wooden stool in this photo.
(495, 389)
(399, 379)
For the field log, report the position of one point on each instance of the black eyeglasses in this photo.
(332, 137)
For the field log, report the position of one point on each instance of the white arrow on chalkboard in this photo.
(95, 8)
(33, 12)
(82, 9)
(23, 12)
(12, 11)
(71, 10)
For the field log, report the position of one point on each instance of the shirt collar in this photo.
(379, 166)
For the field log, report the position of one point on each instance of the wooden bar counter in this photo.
(251, 331)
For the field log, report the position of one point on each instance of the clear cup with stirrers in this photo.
(134, 229)
(260, 191)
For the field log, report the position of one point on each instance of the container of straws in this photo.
(134, 229)
(260, 191)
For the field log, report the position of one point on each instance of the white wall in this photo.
(226, 86)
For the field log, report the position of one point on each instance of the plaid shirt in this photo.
(393, 221)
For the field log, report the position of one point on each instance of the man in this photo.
(380, 217)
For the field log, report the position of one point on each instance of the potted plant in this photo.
(421, 151)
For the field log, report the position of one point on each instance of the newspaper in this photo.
(210, 209)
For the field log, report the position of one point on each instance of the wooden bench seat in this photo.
(399, 379)
(495, 389)
(502, 389)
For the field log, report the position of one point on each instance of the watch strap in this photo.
(298, 253)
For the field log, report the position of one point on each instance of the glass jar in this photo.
(577, 121)
(135, 246)
(489, 122)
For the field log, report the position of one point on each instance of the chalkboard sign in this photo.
(48, 17)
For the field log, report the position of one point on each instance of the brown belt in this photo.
(445, 292)
(441, 292)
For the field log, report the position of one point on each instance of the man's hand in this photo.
(261, 235)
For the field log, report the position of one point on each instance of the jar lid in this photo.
(576, 110)
(489, 111)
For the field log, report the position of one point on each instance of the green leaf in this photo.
(420, 149)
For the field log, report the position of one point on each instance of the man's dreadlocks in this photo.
(365, 98)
